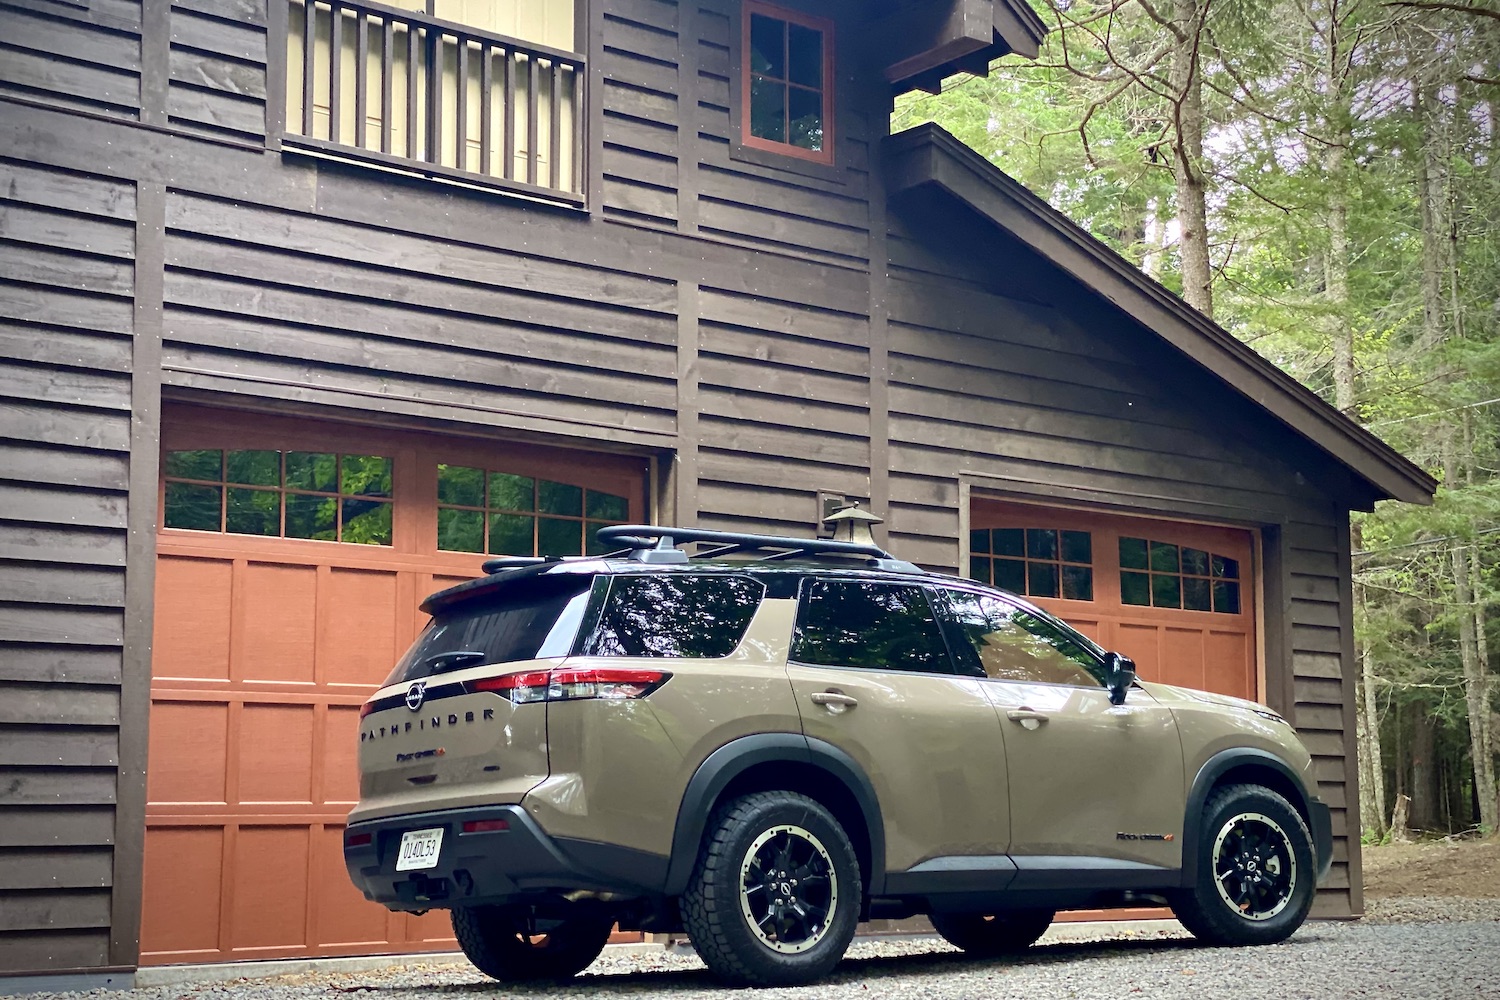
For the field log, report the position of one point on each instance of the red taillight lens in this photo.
(486, 825)
(366, 709)
(612, 683)
(358, 840)
(522, 688)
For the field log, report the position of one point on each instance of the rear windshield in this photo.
(536, 618)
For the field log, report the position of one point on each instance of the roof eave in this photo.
(929, 155)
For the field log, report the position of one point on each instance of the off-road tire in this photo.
(1269, 908)
(498, 941)
(716, 907)
(992, 935)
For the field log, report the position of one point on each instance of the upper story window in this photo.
(484, 91)
(788, 82)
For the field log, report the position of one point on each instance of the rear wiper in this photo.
(454, 659)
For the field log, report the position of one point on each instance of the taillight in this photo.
(366, 709)
(359, 840)
(610, 683)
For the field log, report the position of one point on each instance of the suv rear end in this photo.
(457, 736)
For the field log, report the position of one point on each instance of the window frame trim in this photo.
(746, 141)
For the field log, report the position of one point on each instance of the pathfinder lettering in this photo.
(435, 722)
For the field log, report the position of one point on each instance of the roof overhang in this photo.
(921, 43)
(928, 157)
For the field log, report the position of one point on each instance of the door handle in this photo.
(1030, 718)
(835, 700)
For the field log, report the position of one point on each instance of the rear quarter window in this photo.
(670, 615)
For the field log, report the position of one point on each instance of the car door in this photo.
(873, 676)
(1088, 779)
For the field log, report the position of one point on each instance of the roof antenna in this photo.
(853, 525)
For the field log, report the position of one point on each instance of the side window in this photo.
(787, 82)
(699, 617)
(1011, 644)
(856, 623)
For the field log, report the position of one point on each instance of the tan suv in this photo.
(777, 738)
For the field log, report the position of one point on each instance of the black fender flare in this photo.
(737, 756)
(1213, 769)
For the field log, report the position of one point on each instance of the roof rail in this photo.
(658, 544)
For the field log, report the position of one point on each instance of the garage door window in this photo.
(1034, 562)
(1163, 575)
(501, 513)
(321, 496)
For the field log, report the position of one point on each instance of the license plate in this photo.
(419, 850)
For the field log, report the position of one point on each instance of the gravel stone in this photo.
(1428, 948)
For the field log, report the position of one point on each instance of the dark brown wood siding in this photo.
(83, 56)
(716, 310)
(217, 81)
(66, 286)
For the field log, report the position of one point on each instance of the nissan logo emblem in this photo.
(415, 694)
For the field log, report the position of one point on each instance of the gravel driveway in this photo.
(1433, 951)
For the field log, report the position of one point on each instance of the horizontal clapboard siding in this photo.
(66, 291)
(277, 299)
(217, 79)
(1319, 691)
(783, 393)
(76, 57)
(640, 66)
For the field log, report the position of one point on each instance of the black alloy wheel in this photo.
(775, 895)
(787, 889)
(1255, 870)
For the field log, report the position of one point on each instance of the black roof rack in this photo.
(658, 544)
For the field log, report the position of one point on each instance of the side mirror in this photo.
(1120, 674)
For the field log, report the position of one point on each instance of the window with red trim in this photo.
(787, 76)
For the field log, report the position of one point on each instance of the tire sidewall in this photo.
(1228, 924)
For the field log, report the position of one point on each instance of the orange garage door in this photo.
(291, 561)
(1176, 598)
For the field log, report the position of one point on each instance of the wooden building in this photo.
(306, 305)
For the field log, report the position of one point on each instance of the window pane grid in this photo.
(1034, 562)
(493, 512)
(315, 496)
(786, 99)
(1166, 575)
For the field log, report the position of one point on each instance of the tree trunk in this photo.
(1399, 832)
(1423, 814)
(1367, 740)
(1192, 204)
(1336, 265)
(1430, 198)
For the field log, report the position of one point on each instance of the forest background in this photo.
(1322, 178)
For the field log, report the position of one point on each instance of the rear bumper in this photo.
(1322, 834)
(498, 866)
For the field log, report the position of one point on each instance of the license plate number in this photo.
(419, 850)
